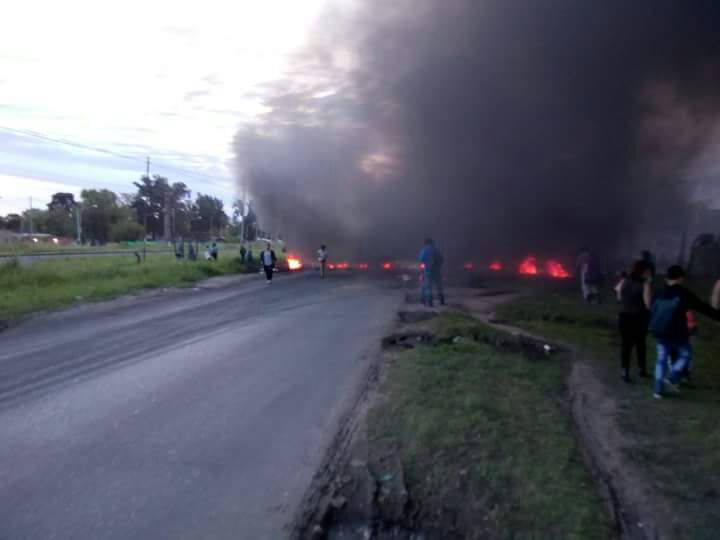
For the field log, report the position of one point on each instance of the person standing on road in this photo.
(669, 326)
(436, 275)
(268, 260)
(243, 252)
(214, 251)
(635, 294)
(322, 259)
(431, 262)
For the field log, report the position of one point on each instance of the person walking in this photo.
(591, 277)
(243, 252)
(669, 326)
(268, 260)
(635, 294)
(322, 259)
(214, 251)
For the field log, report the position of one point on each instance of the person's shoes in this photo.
(442, 302)
(670, 386)
(269, 281)
(657, 396)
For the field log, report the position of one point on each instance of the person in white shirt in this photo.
(268, 260)
(322, 259)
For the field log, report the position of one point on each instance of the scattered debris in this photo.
(409, 317)
(408, 340)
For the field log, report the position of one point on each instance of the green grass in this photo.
(676, 441)
(28, 248)
(484, 433)
(46, 285)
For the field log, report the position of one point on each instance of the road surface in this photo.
(189, 414)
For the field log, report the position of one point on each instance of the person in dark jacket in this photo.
(634, 293)
(268, 260)
(669, 326)
(431, 261)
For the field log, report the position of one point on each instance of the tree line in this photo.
(157, 210)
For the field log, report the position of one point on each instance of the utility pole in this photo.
(30, 215)
(147, 172)
(78, 222)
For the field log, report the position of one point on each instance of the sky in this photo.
(172, 80)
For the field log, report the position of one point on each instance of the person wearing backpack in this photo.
(634, 294)
(669, 326)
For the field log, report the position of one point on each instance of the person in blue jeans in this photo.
(431, 260)
(668, 324)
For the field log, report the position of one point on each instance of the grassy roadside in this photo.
(676, 441)
(27, 248)
(46, 285)
(485, 443)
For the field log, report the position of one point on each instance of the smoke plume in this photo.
(498, 127)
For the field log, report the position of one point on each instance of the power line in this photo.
(38, 135)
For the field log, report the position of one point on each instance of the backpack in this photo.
(662, 314)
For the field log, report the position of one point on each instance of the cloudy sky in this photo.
(170, 79)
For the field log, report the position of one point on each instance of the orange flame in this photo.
(387, 266)
(556, 270)
(342, 266)
(528, 266)
(294, 263)
(496, 266)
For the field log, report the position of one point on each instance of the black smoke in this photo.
(499, 127)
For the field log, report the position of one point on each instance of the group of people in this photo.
(431, 261)
(668, 314)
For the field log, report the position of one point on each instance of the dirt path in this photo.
(638, 512)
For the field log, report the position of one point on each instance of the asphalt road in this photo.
(188, 414)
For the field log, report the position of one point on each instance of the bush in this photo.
(126, 231)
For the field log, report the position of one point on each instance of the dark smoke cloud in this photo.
(500, 127)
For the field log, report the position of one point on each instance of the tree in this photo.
(157, 203)
(126, 230)
(12, 222)
(100, 211)
(59, 223)
(60, 215)
(209, 218)
(36, 220)
(62, 201)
